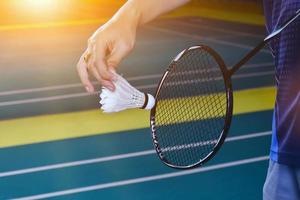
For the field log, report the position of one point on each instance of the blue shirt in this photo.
(285, 146)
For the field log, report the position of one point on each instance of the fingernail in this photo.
(88, 89)
(110, 88)
(113, 74)
(112, 77)
(112, 70)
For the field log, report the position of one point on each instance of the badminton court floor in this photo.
(55, 143)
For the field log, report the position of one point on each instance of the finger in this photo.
(105, 83)
(94, 71)
(83, 74)
(117, 55)
(100, 63)
(108, 84)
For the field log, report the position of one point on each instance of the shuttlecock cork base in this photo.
(124, 97)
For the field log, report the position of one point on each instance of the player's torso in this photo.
(286, 51)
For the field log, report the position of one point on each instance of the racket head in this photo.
(168, 121)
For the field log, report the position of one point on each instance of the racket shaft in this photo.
(263, 43)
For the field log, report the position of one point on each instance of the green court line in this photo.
(85, 123)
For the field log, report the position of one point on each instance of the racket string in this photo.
(190, 112)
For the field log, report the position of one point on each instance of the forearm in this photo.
(142, 11)
(150, 9)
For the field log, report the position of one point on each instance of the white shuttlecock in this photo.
(124, 97)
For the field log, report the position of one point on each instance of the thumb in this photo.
(117, 55)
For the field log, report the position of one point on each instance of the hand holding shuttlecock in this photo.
(124, 97)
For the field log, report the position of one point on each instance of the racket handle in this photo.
(149, 102)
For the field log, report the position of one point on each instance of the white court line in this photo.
(255, 74)
(197, 37)
(43, 99)
(76, 85)
(146, 178)
(41, 89)
(212, 79)
(212, 142)
(84, 94)
(115, 157)
(239, 33)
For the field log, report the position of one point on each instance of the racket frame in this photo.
(227, 73)
(229, 106)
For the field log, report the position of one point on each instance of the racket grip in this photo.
(149, 102)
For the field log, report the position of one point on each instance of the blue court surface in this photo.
(39, 79)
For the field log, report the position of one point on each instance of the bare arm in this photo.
(149, 10)
(116, 38)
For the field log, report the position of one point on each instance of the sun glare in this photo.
(39, 4)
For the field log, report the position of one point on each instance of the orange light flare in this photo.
(38, 8)
(45, 11)
(32, 6)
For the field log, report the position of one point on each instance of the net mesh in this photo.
(191, 109)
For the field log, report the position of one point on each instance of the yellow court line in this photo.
(8, 27)
(86, 123)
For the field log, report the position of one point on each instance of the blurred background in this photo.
(34, 11)
(54, 138)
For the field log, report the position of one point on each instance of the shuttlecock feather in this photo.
(124, 97)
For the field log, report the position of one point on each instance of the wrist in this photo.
(130, 14)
